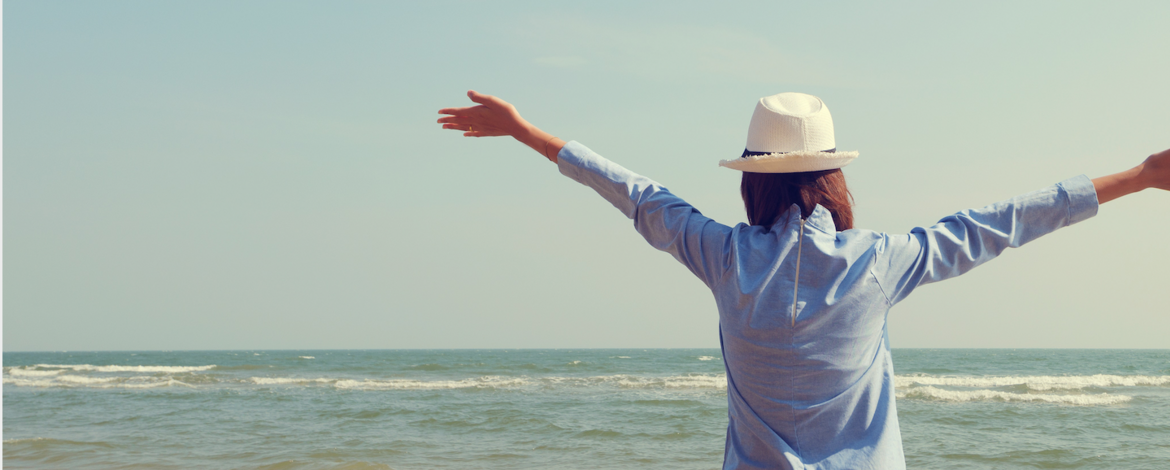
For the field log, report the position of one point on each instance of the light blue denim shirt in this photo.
(802, 307)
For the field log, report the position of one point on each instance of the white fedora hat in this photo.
(790, 133)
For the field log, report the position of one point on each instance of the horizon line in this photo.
(532, 349)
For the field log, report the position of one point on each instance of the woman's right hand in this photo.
(1156, 170)
(1152, 173)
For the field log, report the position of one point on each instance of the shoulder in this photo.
(861, 241)
(860, 235)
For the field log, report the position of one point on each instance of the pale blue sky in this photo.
(208, 175)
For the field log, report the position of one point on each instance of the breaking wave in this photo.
(1064, 389)
(20, 372)
(77, 381)
(938, 394)
(682, 382)
(491, 382)
(288, 381)
(58, 368)
(1039, 382)
(58, 375)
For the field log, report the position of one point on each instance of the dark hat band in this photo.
(749, 153)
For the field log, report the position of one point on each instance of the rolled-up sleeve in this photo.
(960, 242)
(666, 221)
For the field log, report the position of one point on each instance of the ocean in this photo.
(559, 408)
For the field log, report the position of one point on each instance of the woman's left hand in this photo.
(493, 117)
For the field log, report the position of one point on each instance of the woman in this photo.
(802, 296)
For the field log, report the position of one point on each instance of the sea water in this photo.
(612, 408)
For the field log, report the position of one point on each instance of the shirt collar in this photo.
(820, 219)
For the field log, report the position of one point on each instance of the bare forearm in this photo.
(543, 142)
(1113, 186)
(1152, 173)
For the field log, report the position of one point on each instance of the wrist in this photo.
(1140, 178)
(544, 143)
(528, 135)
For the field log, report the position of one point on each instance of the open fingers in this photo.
(479, 133)
(469, 130)
(473, 130)
(459, 111)
(486, 100)
(490, 118)
(479, 97)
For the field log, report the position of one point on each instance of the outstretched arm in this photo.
(666, 221)
(496, 117)
(1152, 173)
(960, 242)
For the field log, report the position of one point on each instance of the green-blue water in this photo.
(635, 408)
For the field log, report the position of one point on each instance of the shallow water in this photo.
(658, 408)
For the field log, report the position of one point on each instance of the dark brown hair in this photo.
(768, 195)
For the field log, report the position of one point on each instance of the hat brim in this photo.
(790, 162)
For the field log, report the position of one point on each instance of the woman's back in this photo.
(803, 330)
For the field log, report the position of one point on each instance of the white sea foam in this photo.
(680, 382)
(306, 357)
(934, 393)
(707, 358)
(58, 375)
(168, 383)
(22, 372)
(677, 382)
(28, 382)
(77, 381)
(27, 439)
(86, 380)
(716, 382)
(407, 384)
(289, 381)
(619, 357)
(141, 369)
(1038, 382)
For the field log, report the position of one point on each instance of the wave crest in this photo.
(408, 384)
(938, 394)
(77, 381)
(112, 368)
(1038, 382)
